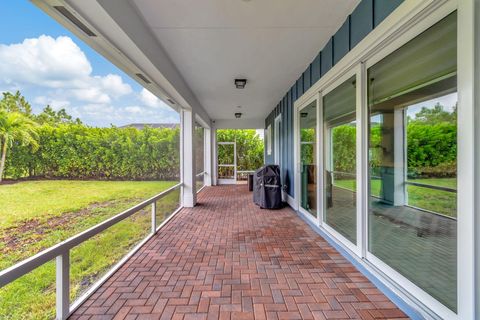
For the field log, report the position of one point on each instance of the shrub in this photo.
(431, 149)
(80, 152)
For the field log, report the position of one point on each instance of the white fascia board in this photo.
(477, 175)
(239, 123)
(125, 40)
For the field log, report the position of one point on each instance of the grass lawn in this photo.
(434, 200)
(38, 214)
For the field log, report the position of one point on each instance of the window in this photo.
(412, 157)
(278, 145)
(308, 158)
(339, 136)
(268, 139)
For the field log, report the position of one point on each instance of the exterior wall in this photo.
(366, 16)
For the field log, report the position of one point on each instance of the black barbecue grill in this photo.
(267, 187)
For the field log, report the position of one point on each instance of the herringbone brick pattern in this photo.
(228, 259)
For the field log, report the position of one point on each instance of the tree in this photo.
(15, 103)
(15, 128)
(52, 117)
(435, 115)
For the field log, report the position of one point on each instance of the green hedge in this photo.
(80, 152)
(431, 149)
(76, 151)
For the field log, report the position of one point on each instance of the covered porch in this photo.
(355, 240)
(228, 259)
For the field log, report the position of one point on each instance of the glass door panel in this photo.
(308, 158)
(413, 161)
(339, 127)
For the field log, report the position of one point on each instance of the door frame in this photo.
(277, 147)
(234, 165)
(297, 143)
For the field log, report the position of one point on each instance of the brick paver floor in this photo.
(228, 259)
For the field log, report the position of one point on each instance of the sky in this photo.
(448, 102)
(49, 65)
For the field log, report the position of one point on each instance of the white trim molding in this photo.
(466, 166)
(277, 144)
(292, 202)
(476, 39)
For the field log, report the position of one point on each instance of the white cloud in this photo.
(43, 61)
(57, 64)
(134, 109)
(114, 85)
(90, 94)
(151, 100)
(55, 71)
(124, 115)
(55, 104)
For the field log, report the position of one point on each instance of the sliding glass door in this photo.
(412, 222)
(381, 138)
(339, 156)
(308, 157)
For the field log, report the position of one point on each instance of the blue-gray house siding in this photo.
(366, 16)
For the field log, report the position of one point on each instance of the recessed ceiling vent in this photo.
(171, 101)
(143, 78)
(80, 25)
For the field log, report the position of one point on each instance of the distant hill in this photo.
(141, 126)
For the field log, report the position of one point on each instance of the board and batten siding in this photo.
(367, 15)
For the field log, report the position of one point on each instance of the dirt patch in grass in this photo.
(22, 235)
(5, 182)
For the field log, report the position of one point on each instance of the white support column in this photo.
(208, 177)
(214, 148)
(189, 196)
(63, 285)
(476, 69)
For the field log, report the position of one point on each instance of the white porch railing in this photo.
(61, 252)
(242, 175)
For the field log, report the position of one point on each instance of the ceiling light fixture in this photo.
(238, 115)
(240, 83)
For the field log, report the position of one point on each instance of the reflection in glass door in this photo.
(308, 158)
(412, 221)
(339, 194)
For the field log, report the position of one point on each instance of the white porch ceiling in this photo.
(269, 42)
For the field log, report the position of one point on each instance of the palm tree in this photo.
(15, 128)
